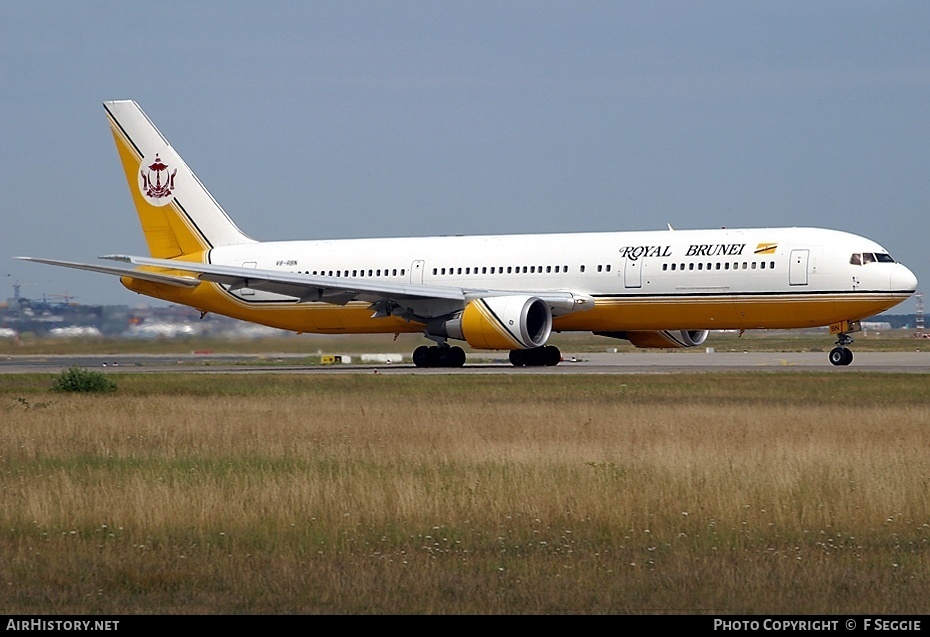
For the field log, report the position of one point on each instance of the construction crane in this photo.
(919, 332)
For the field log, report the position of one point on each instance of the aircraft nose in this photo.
(902, 280)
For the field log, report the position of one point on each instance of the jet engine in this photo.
(663, 338)
(500, 322)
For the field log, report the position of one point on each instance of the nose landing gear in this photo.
(841, 355)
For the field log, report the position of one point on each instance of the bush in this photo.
(75, 379)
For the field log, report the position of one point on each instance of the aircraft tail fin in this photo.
(178, 214)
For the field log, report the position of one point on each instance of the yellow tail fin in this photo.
(178, 215)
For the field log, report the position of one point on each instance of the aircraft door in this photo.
(633, 273)
(416, 272)
(797, 267)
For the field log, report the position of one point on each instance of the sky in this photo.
(316, 119)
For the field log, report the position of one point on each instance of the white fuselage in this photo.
(683, 279)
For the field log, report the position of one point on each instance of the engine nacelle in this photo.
(662, 338)
(500, 322)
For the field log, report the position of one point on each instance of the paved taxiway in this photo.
(588, 363)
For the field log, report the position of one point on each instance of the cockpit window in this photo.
(862, 258)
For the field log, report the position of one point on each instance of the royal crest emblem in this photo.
(157, 183)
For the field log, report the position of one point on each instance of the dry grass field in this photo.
(688, 493)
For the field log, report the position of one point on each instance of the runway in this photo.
(578, 363)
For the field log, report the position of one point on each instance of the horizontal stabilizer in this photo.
(167, 279)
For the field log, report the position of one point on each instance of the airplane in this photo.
(663, 289)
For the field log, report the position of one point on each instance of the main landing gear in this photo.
(547, 356)
(841, 355)
(445, 356)
(438, 356)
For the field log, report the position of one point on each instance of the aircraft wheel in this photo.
(841, 356)
(551, 356)
(517, 357)
(533, 357)
(536, 356)
(421, 356)
(455, 357)
(439, 356)
(539, 356)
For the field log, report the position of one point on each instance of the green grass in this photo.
(77, 379)
(790, 388)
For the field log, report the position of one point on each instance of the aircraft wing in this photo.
(339, 290)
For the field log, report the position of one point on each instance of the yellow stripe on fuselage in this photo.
(613, 314)
(783, 311)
